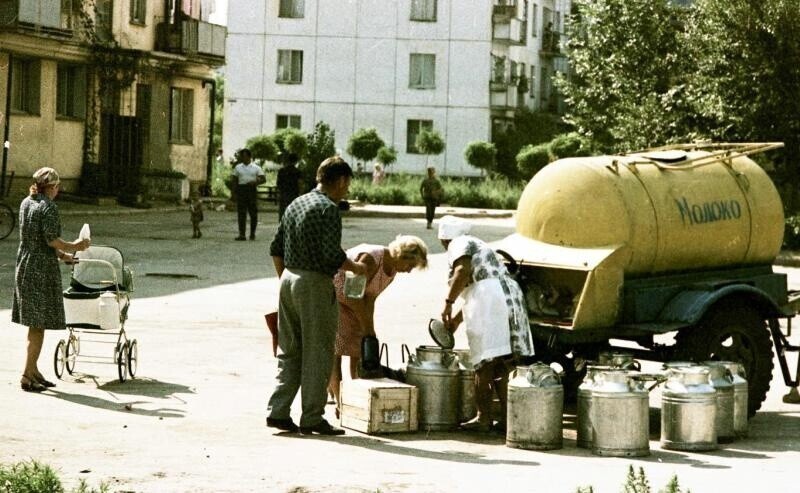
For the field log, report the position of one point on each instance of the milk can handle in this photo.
(448, 358)
(403, 351)
(384, 352)
(636, 365)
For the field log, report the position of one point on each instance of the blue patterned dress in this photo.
(38, 301)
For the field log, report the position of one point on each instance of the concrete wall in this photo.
(191, 159)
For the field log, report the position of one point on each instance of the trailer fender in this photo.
(690, 306)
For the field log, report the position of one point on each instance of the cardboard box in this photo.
(378, 406)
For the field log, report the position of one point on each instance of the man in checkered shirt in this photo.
(307, 252)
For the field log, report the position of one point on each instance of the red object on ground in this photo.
(272, 325)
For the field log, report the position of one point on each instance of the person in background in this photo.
(378, 174)
(307, 253)
(288, 184)
(247, 176)
(432, 194)
(196, 215)
(356, 316)
(38, 302)
(493, 314)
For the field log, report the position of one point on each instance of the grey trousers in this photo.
(307, 319)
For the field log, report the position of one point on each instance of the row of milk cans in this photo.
(701, 405)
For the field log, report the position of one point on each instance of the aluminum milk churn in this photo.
(434, 371)
(584, 405)
(688, 410)
(740, 396)
(722, 380)
(466, 378)
(535, 408)
(620, 415)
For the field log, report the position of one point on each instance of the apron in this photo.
(486, 320)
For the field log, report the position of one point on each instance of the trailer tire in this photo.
(733, 332)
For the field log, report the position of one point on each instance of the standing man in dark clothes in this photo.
(247, 175)
(288, 184)
(307, 252)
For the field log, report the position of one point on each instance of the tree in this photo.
(387, 155)
(430, 142)
(529, 128)
(629, 73)
(570, 145)
(263, 148)
(364, 144)
(292, 144)
(321, 146)
(481, 155)
(532, 158)
(747, 70)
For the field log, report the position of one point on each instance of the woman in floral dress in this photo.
(493, 313)
(38, 302)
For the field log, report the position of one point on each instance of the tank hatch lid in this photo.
(672, 156)
(527, 251)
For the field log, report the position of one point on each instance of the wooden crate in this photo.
(378, 406)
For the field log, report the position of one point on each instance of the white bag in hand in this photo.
(85, 233)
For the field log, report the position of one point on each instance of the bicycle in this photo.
(7, 217)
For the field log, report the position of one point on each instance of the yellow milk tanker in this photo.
(678, 239)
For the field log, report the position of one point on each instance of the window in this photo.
(25, 86)
(290, 67)
(287, 121)
(413, 129)
(71, 91)
(291, 9)
(498, 69)
(138, 11)
(533, 19)
(422, 71)
(423, 10)
(181, 110)
(533, 82)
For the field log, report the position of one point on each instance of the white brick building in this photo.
(457, 66)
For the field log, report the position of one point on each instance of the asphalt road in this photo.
(193, 420)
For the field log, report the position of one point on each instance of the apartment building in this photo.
(116, 95)
(462, 67)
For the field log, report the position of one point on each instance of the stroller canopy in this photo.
(96, 276)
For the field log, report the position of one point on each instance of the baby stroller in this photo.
(96, 304)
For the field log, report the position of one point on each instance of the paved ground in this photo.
(194, 419)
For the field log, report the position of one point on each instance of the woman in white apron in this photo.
(493, 314)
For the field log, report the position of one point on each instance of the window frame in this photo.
(418, 125)
(292, 77)
(70, 91)
(421, 64)
(26, 92)
(291, 9)
(138, 12)
(181, 109)
(417, 14)
(289, 120)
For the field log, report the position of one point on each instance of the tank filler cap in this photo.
(668, 157)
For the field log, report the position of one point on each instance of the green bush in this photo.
(791, 235)
(481, 155)
(220, 173)
(365, 144)
(570, 145)
(35, 477)
(387, 155)
(263, 148)
(533, 158)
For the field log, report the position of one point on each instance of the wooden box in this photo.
(378, 406)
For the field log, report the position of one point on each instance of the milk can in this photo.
(740, 397)
(535, 408)
(108, 307)
(466, 378)
(618, 359)
(584, 405)
(620, 415)
(722, 380)
(688, 410)
(671, 365)
(434, 371)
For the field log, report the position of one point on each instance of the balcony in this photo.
(508, 99)
(511, 31)
(192, 37)
(42, 16)
(504, 10)
(551, 44)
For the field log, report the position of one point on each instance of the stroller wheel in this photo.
(121, 359)
(59, 358)
(71, 354)
(133, 357)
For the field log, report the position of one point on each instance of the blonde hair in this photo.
(43, 178)
(410, 247)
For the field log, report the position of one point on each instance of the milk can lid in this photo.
(443, 337)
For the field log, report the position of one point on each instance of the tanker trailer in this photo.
(675, 240)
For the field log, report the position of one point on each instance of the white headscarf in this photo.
(451, 227)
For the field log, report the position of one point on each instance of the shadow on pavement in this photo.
(123, 407)
(380, 445)
(147, 387)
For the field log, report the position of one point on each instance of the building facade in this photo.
(461, 67)
(116, 95)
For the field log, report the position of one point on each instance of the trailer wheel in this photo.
(732, 332)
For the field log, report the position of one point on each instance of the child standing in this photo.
(196, 211)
